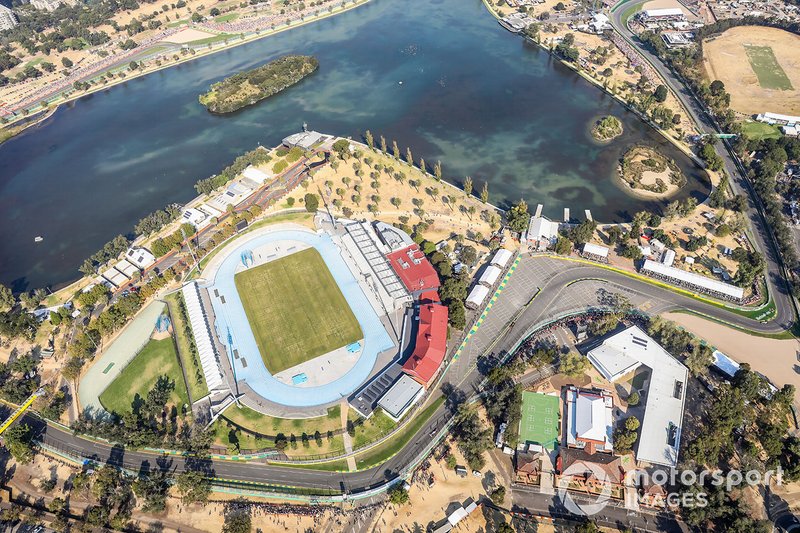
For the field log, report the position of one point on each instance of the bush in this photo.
(634, 399)
(312, 202)
(280, 166)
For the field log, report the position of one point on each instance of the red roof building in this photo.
(424, 363)
(414, 269)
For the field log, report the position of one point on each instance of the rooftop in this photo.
(660, 434)
(414, 269)
(431, 344)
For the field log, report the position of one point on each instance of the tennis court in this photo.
(539, 423)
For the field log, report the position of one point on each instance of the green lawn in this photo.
(759, 130)
(157, 358)
(194, 372)
(539, 423)
(373, 428)
(268, 425)
(768, 70)
(227, 18)
(213, 39)
(296, 310)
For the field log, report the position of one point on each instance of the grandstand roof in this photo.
(490, 276)
(595, 249)
(696, 280)
(665, 12)
(429, 351)
(502, 257)
(414, 269)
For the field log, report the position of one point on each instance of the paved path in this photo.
(348, 440)
(110, 364)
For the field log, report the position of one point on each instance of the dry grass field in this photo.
(760, 68)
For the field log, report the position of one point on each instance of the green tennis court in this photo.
(539, 423)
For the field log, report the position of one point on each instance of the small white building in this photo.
(490, 276)
(195, 217)
(401, 397)
(140, 257)
(594, 251)
(590, 421)
(502, 257)
(542, 232)
(477, 296)
(668, 258)
(257, 175)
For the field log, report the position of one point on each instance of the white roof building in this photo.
(141, 257)
(668, 258)
(502, 257)
(490, 276)
(195, 217)
(115, 277)
(401, 397)
(663, 13)
(477, 296)
(660, 434)
(257, 175)
(590, 420)
(695, 281)
(127, 268)
(7, 18)
(594, 249)
(542, 229)
(198, 322)
(776, 118)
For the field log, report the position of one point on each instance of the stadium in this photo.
(291, 318)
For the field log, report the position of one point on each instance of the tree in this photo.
(237, 520)
(583, 232)
(409, 157)
(563, 246)
(214, 12)
(468, 185)
(19, 442)
(398, 495)
(6, 298)
(437, 170)
(369, 139)
(498, 495)
(661, 93)
(632, 423)
(193, 487)
(573, 364)
(485, 192)
(312, 202)
(342, 148)
(633, 399)
(717, 87)
(518, 217)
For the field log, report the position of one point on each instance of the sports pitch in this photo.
(768, 71)
(296, 310)
(539, 423)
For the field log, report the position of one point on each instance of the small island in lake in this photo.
(247, 88)
(607, 128)
(645, 170)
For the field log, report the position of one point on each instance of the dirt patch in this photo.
(188, 35)
(775, 358)
(725, 58)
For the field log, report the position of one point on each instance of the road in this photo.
(561, 287)
(764, 241)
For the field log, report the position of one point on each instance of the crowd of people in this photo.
(636, 60)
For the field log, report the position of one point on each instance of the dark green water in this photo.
(472, 95)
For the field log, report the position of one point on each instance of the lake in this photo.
(440, 76)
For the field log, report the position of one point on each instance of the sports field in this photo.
(296, 310)
(539, 423)
(759, 66)
(765, 65)
(157, 358)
